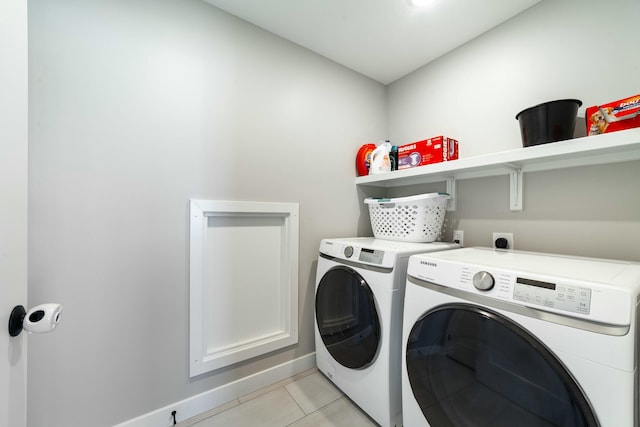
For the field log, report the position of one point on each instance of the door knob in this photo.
(41, 318)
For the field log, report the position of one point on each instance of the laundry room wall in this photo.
(135, 108)
(556, 49)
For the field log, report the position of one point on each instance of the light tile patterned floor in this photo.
(306, 400)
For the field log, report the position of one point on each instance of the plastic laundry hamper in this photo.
(408, 219)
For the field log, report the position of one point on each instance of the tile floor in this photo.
(305, 400)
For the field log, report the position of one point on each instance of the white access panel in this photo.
(243, 281)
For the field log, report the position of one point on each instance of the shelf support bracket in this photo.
(451, 189)
(515, 189)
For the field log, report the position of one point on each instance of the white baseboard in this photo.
(208, 400)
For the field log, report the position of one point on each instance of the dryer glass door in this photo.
(347, 317)
(470, 366)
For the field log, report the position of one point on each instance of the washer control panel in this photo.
(364, 254)
(562, 297)
(371, 256)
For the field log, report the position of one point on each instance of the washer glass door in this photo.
(347, 317)
(470, 366)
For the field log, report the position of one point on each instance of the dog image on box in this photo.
(613, 116)
(599, 122)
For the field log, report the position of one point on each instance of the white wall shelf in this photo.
(591, 150)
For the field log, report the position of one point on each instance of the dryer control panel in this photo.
(562, 297)
(601, 291)
(511, 286)
(556, 295)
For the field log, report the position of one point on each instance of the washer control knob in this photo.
(348, 251)
(483, 281)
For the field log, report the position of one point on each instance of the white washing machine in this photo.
(358, 309)
(503, 338)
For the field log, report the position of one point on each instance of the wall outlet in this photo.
(458, 237)
(507, 236)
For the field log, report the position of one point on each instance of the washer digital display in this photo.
(371, 256)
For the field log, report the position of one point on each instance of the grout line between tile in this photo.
(340, 396)
(247, 397)
(210, 413)
(274, 386)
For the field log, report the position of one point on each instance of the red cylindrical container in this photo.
(363, 159)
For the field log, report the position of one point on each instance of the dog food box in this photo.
(432, 150)
(614, 116)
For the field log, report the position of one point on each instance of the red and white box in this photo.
(432, 150)
(617, 115)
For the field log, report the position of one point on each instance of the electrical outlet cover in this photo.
(458, 237)
(508, 236)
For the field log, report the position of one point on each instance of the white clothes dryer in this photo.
(495, 338)
(358, 309)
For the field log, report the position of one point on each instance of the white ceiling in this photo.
(382, 39)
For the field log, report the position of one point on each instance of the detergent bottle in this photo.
(363, 159)
(380, 161)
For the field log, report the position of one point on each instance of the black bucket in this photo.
(549, 122)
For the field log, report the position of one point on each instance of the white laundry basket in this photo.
(408, 219)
